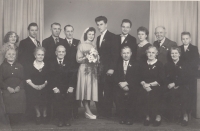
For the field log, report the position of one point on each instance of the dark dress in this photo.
(38, 77)
(151, 100)
(176, 99)
(13, 76)
(141, 52)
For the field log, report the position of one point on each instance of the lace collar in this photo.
(151, 62)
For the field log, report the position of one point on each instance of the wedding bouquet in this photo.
(92, 61)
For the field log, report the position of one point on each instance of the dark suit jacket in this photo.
(71, 54)
(131, 76)
(50, 46)
(59, 76)
(109, 51)
(163, 51)
(190, 58)
(26, 50)
(128, 41)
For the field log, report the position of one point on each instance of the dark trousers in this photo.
(152, 101)
(63, 103)
(105, 95)
(126, 102)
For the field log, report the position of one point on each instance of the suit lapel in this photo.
(104, 39)
(125, 40)
(31, 42)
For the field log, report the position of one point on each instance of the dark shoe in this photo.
(44, 120)
(157, 123)
(121, 122)
(146, 123)
(38, 120)
(75, 116)
(100, 117)
(60, 124)
(184, 123)
(129, 123)
(68, 123)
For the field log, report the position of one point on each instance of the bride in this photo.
(87, 88)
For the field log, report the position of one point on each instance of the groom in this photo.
(108, 50)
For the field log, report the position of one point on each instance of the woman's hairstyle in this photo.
(143, 29)
(6, 37)
(153, 47)
(89, 29)
(10, 50)
(176, 48)
(39, 48)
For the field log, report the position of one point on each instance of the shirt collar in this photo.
(186, 46)
(126, 61)
(69, 40)
(55, 38)
(32, 38)
(122, 35)
(152, 62)
(103, 33)
(162, 41)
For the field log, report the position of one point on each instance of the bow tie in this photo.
(123, 35)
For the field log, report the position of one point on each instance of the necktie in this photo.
(36, 43)
(125, 66)
(70, 42)
(56, 40)
(60, 62)
(159, 43)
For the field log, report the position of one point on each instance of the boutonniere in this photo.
(180, 67)
(103, 40)
(16, 68)
(165, 47)
(153, 67)
(129, 65)
(125, 41)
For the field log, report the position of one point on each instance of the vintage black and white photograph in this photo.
(99, 65)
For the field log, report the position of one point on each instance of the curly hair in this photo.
(7, 36)
(90, 29)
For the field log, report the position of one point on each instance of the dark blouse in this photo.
(141, 52)
(11, 75)
(176, 73)
(152, 73)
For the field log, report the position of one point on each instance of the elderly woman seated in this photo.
(11, 83)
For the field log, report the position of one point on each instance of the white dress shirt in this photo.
(34, 41)
(186, 47)
(123, 37)
(60, 60)
(125, 65)
(69, 41)
(101, 37)
(162, 41)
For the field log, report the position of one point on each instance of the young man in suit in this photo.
(163, 44)
(109, 53)
(125, 39)
(71, 44)
(52, 42)
(62, 87)
(190, 56)
(127, 86)
(28, 45)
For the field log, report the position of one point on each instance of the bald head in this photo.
(160, 32)
(60, 52)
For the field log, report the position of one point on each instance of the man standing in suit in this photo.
(127, 86)
(163, 44)
(52, 42)
(62, 87)
(28, 45)
(109, 53)
(125, 39)
(71, 49)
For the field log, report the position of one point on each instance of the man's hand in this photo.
(110, 72)
(123, 84)
(126, 88)
(176, 87)
(171, 85)
(70, 90)
(56, 90)
(17, 89)
(11, 90)
(146, 85)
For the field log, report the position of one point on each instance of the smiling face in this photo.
(101, 26)
(69, 32)
(186, 39)
(160, 33)
(126, 28)
(142, 36)
(33, 31)
(55, 30)
(175, 55)
(126, 54)
(39, 56)
(90, 36)
(60, 52)
(151, 53)
(10, 55)
(12, 38)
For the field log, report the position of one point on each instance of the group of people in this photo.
(142, 80)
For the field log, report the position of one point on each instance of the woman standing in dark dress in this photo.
(152, 77)
(176, 73)
(11, 79)
(143, 44)
(36, 78)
